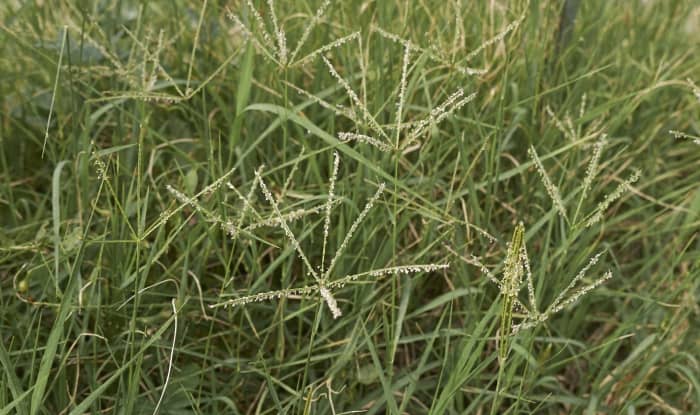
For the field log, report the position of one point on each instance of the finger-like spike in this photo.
(353, 228)
(552, 190)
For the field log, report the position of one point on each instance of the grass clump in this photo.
(139, 230)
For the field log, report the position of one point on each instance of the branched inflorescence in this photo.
(610, 198)
(274, 45)
(382, 139)
(401, 133)
(437, 56)
(323, 284)
(516, 266)
(567, 128)
(241, 224)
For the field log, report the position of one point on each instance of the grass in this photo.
(134, 206)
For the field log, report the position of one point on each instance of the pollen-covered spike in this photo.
(353, 228)
(327, 208)
(285, 227)
(552, 190)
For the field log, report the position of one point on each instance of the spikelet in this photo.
(582, 106)
(269, 295)
(500, 36)
(283, 223)
(459, 41)
(331, 302)
(513, 265)
(696, 89)
(443, 111)
(290, 176)
(187, 201)
(552, 190)
(361, 115)
(149, 78)
(345, 137)
(325, 290)
(577, 278)
(561, 302)
(476, 261)
(452, 104)
(380, 273)
(567, 130)
(612, 197)
(279, 35)
(227, 225)
(525, 260)
(402, 89)
(328, 47)
(395, 38)
(581, 292)
(437, 111)
(407, 269)
(261, 24)
(192, 202)
(592, 168)
(247, 205)
(288, 217)
(510, 287)
(100, 166)
(307, 31)
(329, 204)
(141, 74)
(247, 200)
(231, 228)
(267, 47)
(681, 135)
(337, 109)
(369, 119)
(339, 252)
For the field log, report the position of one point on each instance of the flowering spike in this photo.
(329, 204)
(552, 190)
(285, 227)
(353, 228)
(609, 199)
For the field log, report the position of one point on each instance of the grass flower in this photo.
(438, 55)
(381, 138)
(590, 174)
(610, 198)
(516, 266)
(552, 189)
(233, 227)
(274, 45)
(324, 282)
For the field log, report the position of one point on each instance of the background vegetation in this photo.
(106, 278)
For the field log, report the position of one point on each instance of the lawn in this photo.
(336, 207)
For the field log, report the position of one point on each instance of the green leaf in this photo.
(12, 381)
